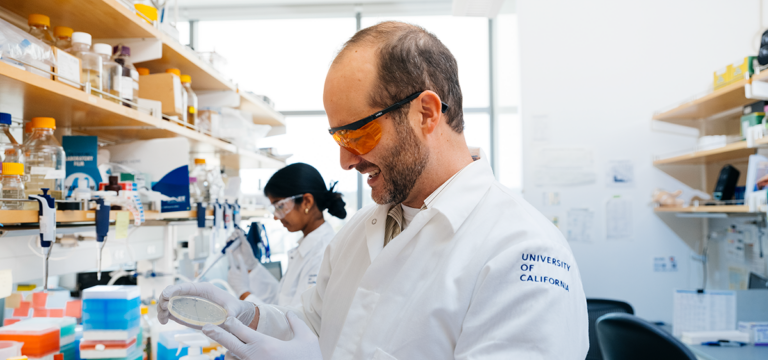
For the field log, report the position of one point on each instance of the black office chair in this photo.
(628, 337)
(597, 308)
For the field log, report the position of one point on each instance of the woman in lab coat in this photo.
(298, 196)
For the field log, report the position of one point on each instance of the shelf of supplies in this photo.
(731, 151)
(89, 216)
(704, 209)
(263, 114)
(723, 99)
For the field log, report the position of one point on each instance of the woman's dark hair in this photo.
(300, 178)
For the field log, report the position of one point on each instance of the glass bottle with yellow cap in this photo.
(10, 149)
(12, 185)
(186, 82)
(45, 159)
(39, 27)
(184, 97)
(63, 37)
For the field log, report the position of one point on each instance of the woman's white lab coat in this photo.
(303, 265)
(478, 274)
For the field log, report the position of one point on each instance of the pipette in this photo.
(236, 213)
(234, 241)
(47, 219)
(102, 228)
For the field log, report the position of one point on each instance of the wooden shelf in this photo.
(262, 113)
(89, 216)
(731, 151)
(720, 100)
(704, 209)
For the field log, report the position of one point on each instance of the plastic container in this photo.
(130, 89)
(111, 73)
(65, 324)
(107, 349)
(167, 345)
(111, 308)
(62, 35)
(10, 149)
(12, 186)
(195, 342)
(44, 159)
(39, 339)
(90, 61)
(70, 351)
(195, 311)
(39, 27)
(10, 349)
(186, 83)
(199, 183)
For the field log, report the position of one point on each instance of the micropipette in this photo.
(102, 228)
(234, 241)
(47, 219)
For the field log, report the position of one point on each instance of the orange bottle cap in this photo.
(44, 122)
(38, 19)
(199, 161)
(143, 71)
(62, 31)
(186, 79)
(174, 71)
(13, 169)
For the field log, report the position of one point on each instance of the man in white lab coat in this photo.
(449, 264)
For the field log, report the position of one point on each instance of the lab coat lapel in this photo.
(374, 230)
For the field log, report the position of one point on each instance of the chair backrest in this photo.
(595, 309)
(628, 337)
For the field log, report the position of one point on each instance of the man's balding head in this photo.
(407, 59)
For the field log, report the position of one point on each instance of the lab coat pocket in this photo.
(381, 355)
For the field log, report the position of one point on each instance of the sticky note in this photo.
(74, 308)
(6, 283)
(13, 301)
(121, 225)
(38, 300)
(40, 313)
(23, 309)
(56, 313)
(7, 322)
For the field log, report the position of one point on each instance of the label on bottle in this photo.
(67, 67)
(40, 170)
(126, 88)
(56, 174)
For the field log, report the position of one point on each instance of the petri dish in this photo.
(195, 311)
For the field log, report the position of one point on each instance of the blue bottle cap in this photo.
(5, 118)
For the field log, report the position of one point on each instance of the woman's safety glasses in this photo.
(283, 207)
(360, 137)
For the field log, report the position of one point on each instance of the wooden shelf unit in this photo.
(731, 151)
(704, 209)
(89, 216)
(262, 113)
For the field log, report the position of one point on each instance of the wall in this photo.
(592, 74)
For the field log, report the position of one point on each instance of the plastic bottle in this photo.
(184, 98)
(217, 184)
(113, 185)
(146, 331)
(39, 27)
(63, 37)
(111, 73)
(91, 62)
(130, 89)
(199, 182)
(10, 149)
(186, 82)
(44, 158)
(12, 185)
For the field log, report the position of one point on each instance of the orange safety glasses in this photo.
(360, 137)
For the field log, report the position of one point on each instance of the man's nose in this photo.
(347, 159)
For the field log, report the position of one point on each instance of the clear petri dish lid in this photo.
(195, 311)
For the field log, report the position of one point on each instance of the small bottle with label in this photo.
(111, 73)
(63, 37)
(91, 62)
(39, 27)
(12, 186)
(130, 86)
(45, 159)
(186, 82)
(184, 98)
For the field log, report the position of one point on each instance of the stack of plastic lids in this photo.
(111, 323)
(66, 327)
(41, 341)
(168, 346)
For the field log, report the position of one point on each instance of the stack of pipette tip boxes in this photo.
(111, 323)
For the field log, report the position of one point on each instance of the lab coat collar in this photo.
(308, 242)
(461, 196)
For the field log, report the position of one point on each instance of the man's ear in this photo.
(430, 108)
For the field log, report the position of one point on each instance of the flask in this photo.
(44, 159)
(199, 183)
(10, 149)
(39, 27)
(111, 73)
(91, 62)
(12, 185)
(63, 37)
(184, 98)
(130, 86)
(186, 82)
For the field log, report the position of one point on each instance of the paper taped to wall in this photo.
(580, 225)
(707, 311)
(564, 167)
(621, 173)
(618, 218)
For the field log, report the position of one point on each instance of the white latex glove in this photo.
(237, 277)
(241, 310)
(246, 343)
(245, 251)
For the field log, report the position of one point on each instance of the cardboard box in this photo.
(165, 88)
(68, 66)
(733, 73)
(82, 153)
(758, 332)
